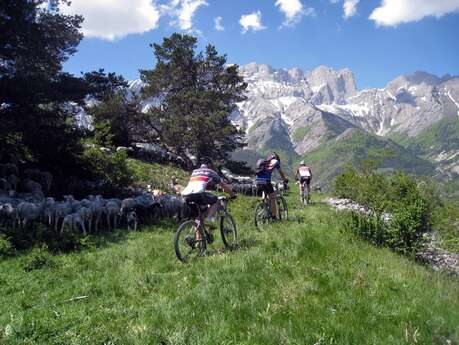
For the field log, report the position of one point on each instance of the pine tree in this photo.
(36, 97)
(194, 95)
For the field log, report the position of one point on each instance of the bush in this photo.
(6, 247)
(410, 208)
(39, 258)
(110, 169)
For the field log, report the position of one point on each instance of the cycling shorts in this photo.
(266, 187)
(306, 179)
(201, 198)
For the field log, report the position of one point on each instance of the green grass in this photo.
(303, 282)
(441, 136)
(158, 175)
(301, 132)
(331, 158)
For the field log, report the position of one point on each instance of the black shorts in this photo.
(201, 198)
(265, 187)
(306, 179)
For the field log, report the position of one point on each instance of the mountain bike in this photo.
(262, 214)
(305, 195)
(187, 245)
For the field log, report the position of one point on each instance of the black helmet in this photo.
(205, 161)
(274, 155)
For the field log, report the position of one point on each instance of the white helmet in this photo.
(302, 163)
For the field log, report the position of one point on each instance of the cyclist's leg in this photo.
(212, 201)
(308, 186)
(269, 190)
(196, 199)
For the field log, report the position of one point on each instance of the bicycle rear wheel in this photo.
(262, 215)
(185, 243)
(228, 231)
(282, 208)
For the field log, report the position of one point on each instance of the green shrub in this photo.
(38, 258)
(111, 169)
(6, 247)
(409, 205)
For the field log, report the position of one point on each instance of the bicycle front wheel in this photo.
(186, 243)
(228, 231)
(262, 215)
(282, 208)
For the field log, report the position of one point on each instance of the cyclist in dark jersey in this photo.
(265, 168)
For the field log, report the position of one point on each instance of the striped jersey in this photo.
(200, 179)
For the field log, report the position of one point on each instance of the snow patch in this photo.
(318, 88)
(391, 96)
(454, 101)
(357, 110)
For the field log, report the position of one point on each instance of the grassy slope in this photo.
(332, 157)
(159, 176)
(303, 282)
(441, 136)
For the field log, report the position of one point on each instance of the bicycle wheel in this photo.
(228, 231)
(185, 243)
(282, 208)
(262, 215)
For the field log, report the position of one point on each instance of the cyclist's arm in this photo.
(227, 188)
(281, 172)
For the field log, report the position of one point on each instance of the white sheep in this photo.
(73, 220)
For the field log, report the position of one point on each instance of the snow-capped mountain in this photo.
(292, 109)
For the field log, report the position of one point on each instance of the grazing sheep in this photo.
(28, 212)
(111, 210)
(127, 205)
(86, 215)
(73, 220)
(172, 206)
(96, 210)
(8, 215)
(132, 220)
(61, 210)
(48, 211)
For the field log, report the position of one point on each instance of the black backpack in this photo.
(261, 165)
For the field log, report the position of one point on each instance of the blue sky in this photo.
(377, 39)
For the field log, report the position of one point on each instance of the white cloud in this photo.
(350, 8)
(183, 11)
(218, 24)
(251, 22)
(394, 12)
(112, 19)
(293, 11)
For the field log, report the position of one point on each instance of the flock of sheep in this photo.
(23, 204)
(246, 185)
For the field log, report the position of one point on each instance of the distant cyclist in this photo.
(304, 174)
(265, 168)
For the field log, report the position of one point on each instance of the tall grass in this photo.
(303, 282)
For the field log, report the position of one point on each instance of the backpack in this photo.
(261, 165)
